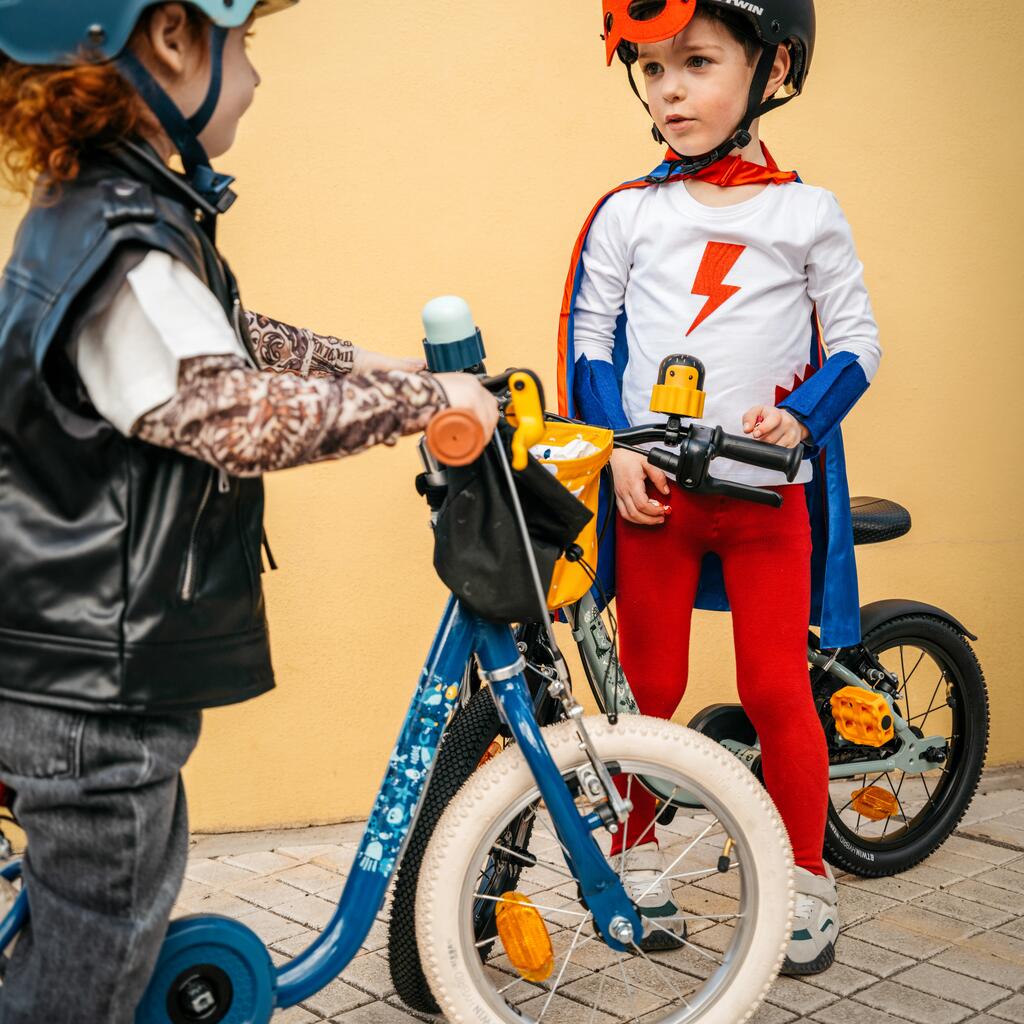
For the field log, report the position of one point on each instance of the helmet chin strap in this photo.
(739, 139)
(184, 132)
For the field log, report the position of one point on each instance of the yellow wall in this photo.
(456, 147)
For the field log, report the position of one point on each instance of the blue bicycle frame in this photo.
(459, 637)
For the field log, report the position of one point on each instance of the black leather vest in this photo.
(129, 574)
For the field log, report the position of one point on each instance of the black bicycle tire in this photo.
(869, 861)
(466, 740)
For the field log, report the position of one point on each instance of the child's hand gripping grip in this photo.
(758, 453)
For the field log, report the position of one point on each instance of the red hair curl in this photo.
(50, 117)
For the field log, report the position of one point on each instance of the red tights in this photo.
(765, 554)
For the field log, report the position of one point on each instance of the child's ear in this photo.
(170, 38)
(780, 71)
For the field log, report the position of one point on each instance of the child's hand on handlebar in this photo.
(464, 391)
(629, 471)
(774, 426)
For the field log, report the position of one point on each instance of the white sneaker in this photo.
(812, 946)
(642, 877)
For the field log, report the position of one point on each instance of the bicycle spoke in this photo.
(700, 871)
(702, 917)
(843, 808)
(629, 988)
(661, 969)
(904, 689)
(931, 703)
(526, 867)
(565, 964)
(664, 807)
(674, 863)
(896, 794)
(916, 663)
(597, 1001)
(924, 782)
(540, 821)
(536, 906)
(697, 949)
(512, 984)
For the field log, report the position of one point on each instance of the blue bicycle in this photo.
(567, 936)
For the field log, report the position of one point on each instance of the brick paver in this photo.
(942, 943)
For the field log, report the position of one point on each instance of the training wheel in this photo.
(211, 970)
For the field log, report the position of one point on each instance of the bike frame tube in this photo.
(393, 816)
(602, 890)
(397, 804)
(18, 914)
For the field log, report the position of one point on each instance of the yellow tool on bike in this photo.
(526, 414)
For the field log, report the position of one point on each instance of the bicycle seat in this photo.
(878, 519)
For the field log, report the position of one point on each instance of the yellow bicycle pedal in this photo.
(862, 716)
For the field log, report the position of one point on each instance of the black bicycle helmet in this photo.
(628, 23)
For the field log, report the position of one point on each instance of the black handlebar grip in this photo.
(760, 453)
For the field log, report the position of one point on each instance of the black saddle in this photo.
(878, 519)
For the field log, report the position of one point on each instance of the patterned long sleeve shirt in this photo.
(163, 364)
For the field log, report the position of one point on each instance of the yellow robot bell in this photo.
(680, 387)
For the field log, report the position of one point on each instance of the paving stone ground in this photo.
(942, 943)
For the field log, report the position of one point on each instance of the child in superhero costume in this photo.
(720, 255)
(140, 403)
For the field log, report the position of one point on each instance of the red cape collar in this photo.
(734, 171)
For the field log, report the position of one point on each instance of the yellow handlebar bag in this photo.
(575, 453)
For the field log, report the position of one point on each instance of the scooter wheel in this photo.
(211, 970)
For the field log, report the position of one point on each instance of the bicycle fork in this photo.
(502, 666)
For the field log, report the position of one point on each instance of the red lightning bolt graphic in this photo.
(719, 259)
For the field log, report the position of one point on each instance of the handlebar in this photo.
(455, 438)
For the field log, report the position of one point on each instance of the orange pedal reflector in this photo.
(862, 716)
(525, 937)
(875, 803)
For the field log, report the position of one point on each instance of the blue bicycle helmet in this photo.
(70, 31)
(67, 32)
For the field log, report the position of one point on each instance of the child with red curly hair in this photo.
(140, 404)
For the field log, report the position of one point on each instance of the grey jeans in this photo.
(101, 801)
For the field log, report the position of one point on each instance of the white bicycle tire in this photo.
(507, 779)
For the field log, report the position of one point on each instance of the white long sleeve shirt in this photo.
(734, 286)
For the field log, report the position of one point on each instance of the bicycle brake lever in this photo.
(759, 495)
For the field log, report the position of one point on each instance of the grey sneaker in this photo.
(652, 894)
(812, 946)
